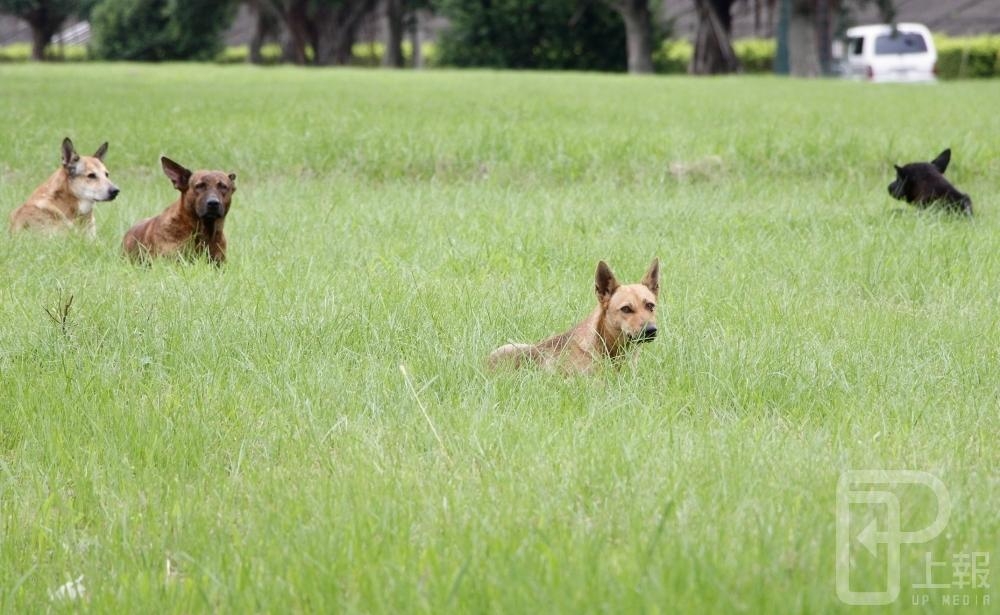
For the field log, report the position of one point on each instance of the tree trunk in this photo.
(289, 52)
(803, 59)
(44, 25)
(393, 54)
(40, 38)
(45, 19)
(256, 43)
(638, 34)
(713, 50)
(265, 26)
(344, 48)
(297, 21)
(415, 42)
(336, 29)
(824, 42)
(887, 10)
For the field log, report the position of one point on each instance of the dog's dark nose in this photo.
(113, 193)
(648, 333)
(213, 206)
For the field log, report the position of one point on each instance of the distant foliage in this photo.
(756, 55)
(21, 52)
(363, 54)
(958, 57)
(968, 57)
(157, 30)
(557, 34)
(673, 56)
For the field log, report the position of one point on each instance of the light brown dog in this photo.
(65, 202)
(193, 223)
(625, 315)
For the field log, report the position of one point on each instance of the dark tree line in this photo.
(557, 34)
(131, 29)
(323, 32)
(320, 32)
(586, 34)
(608, 35)
(159, 30)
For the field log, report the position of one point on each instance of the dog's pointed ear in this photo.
(604, 282)
(103, 149)
(177, 174)
(652, 278)
(941, 162)
(69, 155)
(899, 169)
(232, 178)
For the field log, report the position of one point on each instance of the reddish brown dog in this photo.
(193, 223)
(624, 316)
(65, 202)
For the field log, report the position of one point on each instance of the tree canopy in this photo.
(157, 30)
(556, 34)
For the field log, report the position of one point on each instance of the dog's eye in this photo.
(200, 186)
(627, 309)
(651, 307)
(92, 175)
(223, 187)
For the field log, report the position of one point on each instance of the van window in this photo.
(902, 42)
(856, 45)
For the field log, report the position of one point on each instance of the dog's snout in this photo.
(648, 333)
(113, 192)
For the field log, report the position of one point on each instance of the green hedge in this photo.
(968, 57)
(673, 56)
(958, 57)
(21, 52)
(365, 54)
(756, 55)
(270, 54)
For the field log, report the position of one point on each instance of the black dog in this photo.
(923, 183)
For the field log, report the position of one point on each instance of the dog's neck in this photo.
(208, 228)
(610, 341)
(63, 199)
(84, 207)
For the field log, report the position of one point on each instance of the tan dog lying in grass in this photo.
(192, 223)
(625, 315)
(65, 202)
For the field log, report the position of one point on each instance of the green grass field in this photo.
(311, 429)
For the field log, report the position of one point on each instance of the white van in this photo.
(883, 53)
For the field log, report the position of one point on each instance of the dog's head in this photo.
(205, 194)
(920, 181)
(629, 309)
(88, 178)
